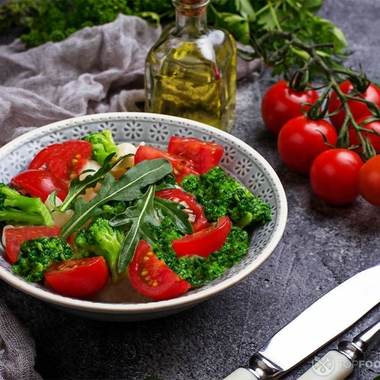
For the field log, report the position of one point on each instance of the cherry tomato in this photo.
(334, 176)
(65, 160)
(15, 236)
(301, 140)
(40, 183)
(280, 104)
(205, 155)
(357, 108)
(194, 209)
(79, 278)
(204, 242)
(369, 181)
(181, 165)
(151, 277)
(374, 139)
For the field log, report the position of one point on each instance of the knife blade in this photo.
(338, 364)
(320, 323)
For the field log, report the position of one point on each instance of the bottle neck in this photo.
(191, 14)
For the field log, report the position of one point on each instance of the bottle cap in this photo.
(192, 2)
(191, 8)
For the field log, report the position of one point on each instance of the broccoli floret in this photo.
(220, 195)
(37, 255)
(195, 269)
(198, 271)
(102, 145)
(20, 209)
(100, 239)
(246, 209)
(113, 208)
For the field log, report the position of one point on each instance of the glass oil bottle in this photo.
(191, 70)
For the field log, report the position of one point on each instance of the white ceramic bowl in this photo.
(239, 159)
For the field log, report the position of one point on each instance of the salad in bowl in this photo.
(135, 229)
(89, 213)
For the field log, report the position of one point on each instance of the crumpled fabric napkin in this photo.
(97, 69)
(17, 350)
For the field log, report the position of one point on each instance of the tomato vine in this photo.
(327, 76)
(347, 98)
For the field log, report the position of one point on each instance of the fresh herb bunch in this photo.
(254, 20)
(242, 18)
(68, 16)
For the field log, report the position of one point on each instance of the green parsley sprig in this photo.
(242, 18)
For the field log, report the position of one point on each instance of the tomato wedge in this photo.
(194, 209)
(151, 277)
(65, 160)
(204, 242)
(181, 166)
(15, 236)
(79, 278)
(204, 154)
(40, 183)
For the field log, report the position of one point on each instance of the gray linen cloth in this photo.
(17, 351)
(98, 69)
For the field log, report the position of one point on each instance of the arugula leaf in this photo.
(129, 187)
(148, 210)
(78, 186)
(138, 218)
(173, 210)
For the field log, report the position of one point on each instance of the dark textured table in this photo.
(321, 247)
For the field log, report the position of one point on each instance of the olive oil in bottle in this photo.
(191, 70)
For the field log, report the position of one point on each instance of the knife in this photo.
(320, 323)
(338, 364)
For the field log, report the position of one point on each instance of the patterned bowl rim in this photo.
(155, 306)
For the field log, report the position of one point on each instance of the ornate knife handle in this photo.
(259, 368)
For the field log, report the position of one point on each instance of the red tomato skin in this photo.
(151, 277)
(197, 210)
(334, 176)
(204, 242)
(181, 165)
(65, 160)
(41, 159)
(40, 184)
(14, 237)
(205, 155)
(79, 278)
(357, 108)
(280, 104)
(375, 140)
(369, 181)
(300, 141)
